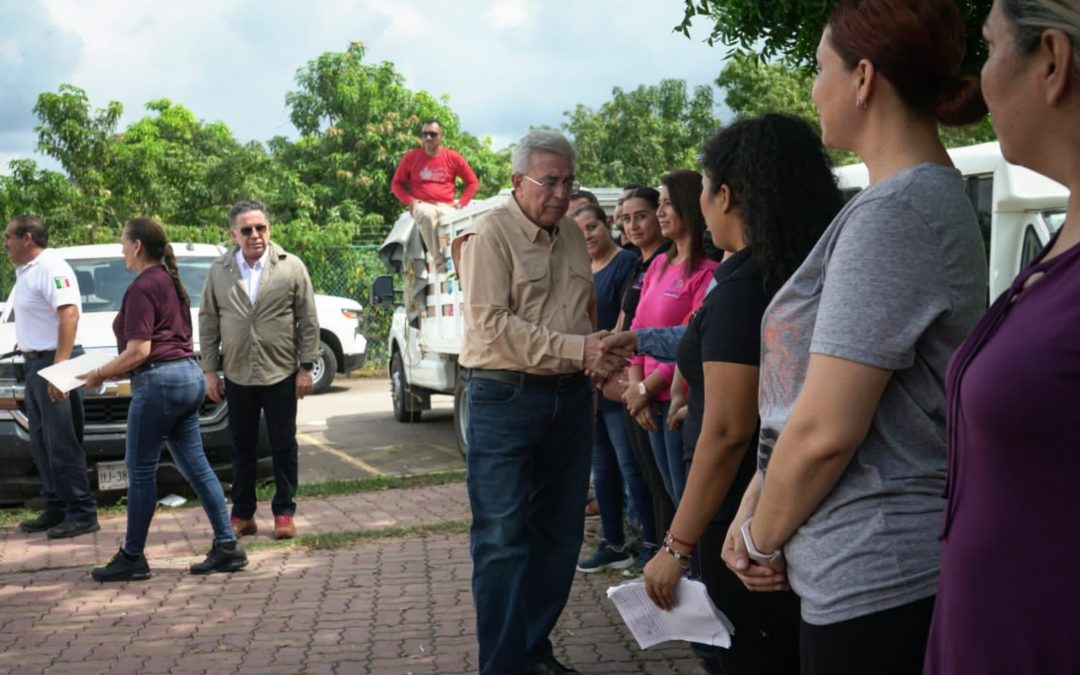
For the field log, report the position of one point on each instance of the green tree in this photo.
(753, 87)
(639, 135)
(793, 28)
(356, 120)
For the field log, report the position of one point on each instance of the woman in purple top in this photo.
(1009, 591)
(153, 338)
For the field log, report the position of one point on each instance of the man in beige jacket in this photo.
(257, 322)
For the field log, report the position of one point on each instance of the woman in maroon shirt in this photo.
(153, 338)
(1009, 590)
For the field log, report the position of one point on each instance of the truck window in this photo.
(1032, 246)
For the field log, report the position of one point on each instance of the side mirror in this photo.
(382, 291)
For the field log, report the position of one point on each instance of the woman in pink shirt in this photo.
(674, 287)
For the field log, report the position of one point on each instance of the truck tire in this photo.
(461, 414)
(399, 391)
(322, 376)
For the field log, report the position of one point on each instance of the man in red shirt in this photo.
(425, 180)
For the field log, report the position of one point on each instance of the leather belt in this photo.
(553, 382)
(150, 366)
(33, 356)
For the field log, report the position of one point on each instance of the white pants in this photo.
(426, 215)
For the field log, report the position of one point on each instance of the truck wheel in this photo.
(322, 376)
(461, 414)
(399, 390)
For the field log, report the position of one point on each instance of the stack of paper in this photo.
(695, 618)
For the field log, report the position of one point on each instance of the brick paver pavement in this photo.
(391, 606)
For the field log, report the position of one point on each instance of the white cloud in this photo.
(405, 21)
(507, 13)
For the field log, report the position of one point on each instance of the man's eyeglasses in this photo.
(550, 184)
(429, 134)
(246, 231)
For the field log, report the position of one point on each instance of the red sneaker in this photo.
(243, 527)
(284, 528)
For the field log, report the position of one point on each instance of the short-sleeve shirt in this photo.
(897, 281)
(611, 283)
(727, 328)
(633, 292)
(152, 310)
(42, 286)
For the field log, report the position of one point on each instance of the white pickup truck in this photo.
(102, 281)
(425, 332)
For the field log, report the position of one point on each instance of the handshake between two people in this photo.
(606, 353)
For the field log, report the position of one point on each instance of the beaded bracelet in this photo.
(683, 559)
(678, 541)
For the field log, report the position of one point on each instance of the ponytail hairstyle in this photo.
(156, 244)
(918, 46)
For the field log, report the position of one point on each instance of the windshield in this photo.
(1054, 219)
(102, 281)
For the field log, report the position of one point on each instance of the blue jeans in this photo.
(56, 431)
(667, 448)
(613, 465)
(165, 402)
(528, 478)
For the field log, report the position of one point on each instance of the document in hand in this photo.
(694, 619)
(63, 375)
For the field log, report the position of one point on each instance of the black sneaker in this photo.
(73, 528)
(222, 557)
(606, 557)
(123, 568)
(550, 667)
(43, 522)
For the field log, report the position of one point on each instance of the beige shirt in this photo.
(529, 296)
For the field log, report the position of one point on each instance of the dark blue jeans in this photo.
(56, 431)
(613, 466)
(277, 402)
(165, 402)
(667, 448)
(528, 477)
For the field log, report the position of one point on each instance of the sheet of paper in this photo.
(695, 618)
(62, 375)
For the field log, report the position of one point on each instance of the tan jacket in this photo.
(529, 297)
(263, 344)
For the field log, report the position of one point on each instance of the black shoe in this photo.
(123, 568)
(73, 528)
(223, 557)
(41, 523)
(550, 667)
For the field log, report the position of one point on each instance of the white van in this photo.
(1018, 209)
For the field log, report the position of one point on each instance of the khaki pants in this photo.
(426, 215)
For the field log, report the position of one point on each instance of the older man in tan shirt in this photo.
(529, 322)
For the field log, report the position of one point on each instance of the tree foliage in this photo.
(792, 28)
(641, 134)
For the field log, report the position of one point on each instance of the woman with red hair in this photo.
(851, 461)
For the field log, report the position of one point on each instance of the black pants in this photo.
(663, 508)
(278, 403)
(890, 642)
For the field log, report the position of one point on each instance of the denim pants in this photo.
(56, 431)
(277, 402)
(528, 477)
(613, 466)
(667, 448)
(164, 410)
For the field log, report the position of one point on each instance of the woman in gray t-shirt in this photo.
(852, 453)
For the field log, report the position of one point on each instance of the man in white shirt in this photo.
(47, 304)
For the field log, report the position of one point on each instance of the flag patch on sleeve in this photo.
(61, 282)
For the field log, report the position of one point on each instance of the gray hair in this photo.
(1033, 17)
(539, 140)
(245, 205)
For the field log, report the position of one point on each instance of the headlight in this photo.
(349, 313)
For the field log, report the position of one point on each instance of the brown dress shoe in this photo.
(284, 528)
(243, 527)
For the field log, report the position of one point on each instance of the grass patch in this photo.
(12, 517)
(328, 541)
(354, 485)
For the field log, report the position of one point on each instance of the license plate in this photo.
(112, 476)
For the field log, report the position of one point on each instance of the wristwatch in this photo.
(752, 551)
(642, 389)
(308, 366)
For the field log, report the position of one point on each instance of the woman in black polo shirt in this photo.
(768, 195)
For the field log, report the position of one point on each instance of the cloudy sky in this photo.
(505, 64)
